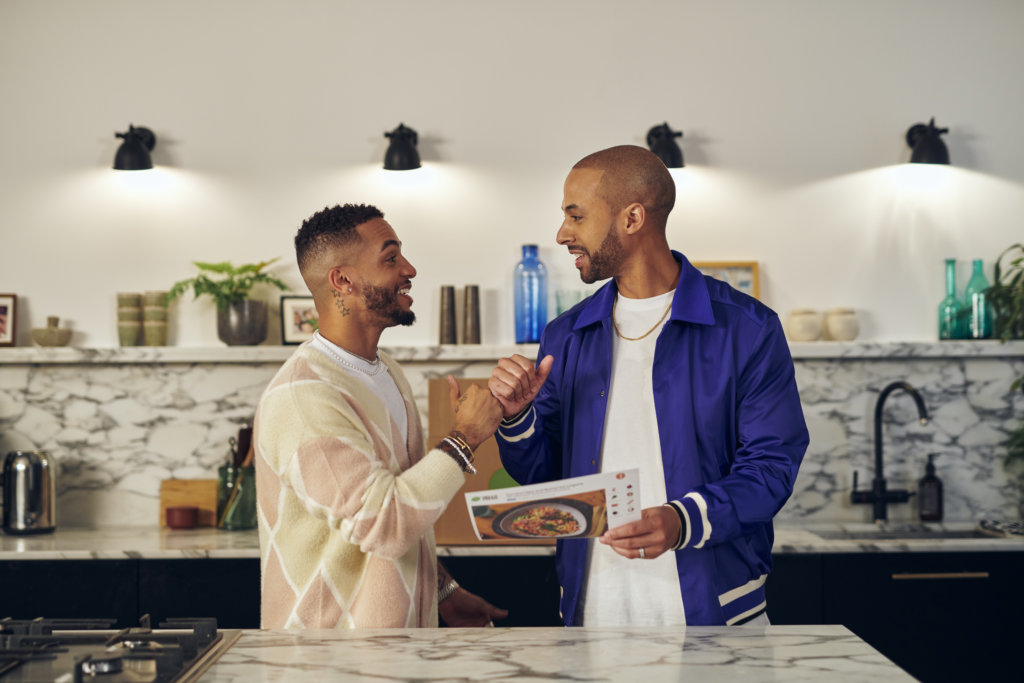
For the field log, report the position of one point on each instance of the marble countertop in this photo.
(706, 653)
(818, 350)
(158, 543)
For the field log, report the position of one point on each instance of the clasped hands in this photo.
(513, 385)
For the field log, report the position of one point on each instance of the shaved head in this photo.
(633, 174)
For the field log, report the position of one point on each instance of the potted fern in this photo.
(241, 320)
(1006, 296)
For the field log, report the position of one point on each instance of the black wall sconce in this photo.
(661, 141)
(402, 154)
(133, 154)
(927, 146)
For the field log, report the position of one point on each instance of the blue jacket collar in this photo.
(691, 302)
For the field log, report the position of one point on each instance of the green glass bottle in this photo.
(952, 318)
(977, 305)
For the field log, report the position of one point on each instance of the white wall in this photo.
(794, 113)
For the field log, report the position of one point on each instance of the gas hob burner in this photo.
(178, 651)
(92, 666)
(137, 646)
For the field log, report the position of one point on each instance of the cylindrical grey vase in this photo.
(244, 323)
(471, 315)
(448, 335)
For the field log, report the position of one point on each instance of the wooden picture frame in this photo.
(299, 319)
(742, 275)
(8, 319)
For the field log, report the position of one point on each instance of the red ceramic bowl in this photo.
(182, 517)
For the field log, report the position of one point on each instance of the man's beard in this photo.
(605, 261)
(384, 302)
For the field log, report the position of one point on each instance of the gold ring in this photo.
(643, 555)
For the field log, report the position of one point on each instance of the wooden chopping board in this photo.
(202, 493)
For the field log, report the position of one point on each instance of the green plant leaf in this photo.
(226, 283)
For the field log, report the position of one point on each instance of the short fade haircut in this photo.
(633, 174)
(331, 228)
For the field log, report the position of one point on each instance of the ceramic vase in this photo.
(841, 324)
(243, 323)
(803, 324)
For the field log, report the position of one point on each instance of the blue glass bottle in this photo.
(976, 303)
(531, 296)
(952, 318)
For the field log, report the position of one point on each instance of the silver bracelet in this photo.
(447, 591)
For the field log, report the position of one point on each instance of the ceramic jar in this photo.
(53, 334)
(841, 324)
(803, 324)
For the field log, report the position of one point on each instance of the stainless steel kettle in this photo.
(29, 493)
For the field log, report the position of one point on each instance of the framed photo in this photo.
(299, 319)
(742, 275)
(8, 319)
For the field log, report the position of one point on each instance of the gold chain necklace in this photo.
(622, 336)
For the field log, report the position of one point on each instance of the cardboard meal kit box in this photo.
(454, 527)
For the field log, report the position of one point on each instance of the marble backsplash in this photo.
(119, 421)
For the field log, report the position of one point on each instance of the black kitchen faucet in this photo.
(879, 496)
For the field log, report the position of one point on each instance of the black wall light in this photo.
(661, 141)
(133, 154)
(927, 146)
(402, 154)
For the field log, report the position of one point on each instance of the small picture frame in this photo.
(8, 319)
(742, 275)
(299, 319)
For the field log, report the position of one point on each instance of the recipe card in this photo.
(579, 507)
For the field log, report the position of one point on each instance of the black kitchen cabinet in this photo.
(526, 586)
(70, 589)
(940, 616)
(228, 589)
(795, 589)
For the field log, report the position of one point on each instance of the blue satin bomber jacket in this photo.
(731, 429)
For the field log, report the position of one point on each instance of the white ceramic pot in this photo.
(841, 324)
(803, 324)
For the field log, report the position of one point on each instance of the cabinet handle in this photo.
(940, 575)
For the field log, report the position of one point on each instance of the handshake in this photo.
(513, 385)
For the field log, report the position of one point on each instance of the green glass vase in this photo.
(236, 497)
(952, 313)
(976, 302)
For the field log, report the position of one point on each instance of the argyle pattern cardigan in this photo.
(346, 508)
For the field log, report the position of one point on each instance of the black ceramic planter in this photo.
(244, 323)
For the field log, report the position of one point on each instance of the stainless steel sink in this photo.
(914, 534)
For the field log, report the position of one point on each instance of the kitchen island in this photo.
(721, 653)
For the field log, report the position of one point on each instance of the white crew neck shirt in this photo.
(374, 374)
(621, 591)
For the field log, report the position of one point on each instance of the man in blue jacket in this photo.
(671, 372)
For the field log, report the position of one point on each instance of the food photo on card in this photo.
(579, 507)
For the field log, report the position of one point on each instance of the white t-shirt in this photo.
(621, 591)
(374, 374)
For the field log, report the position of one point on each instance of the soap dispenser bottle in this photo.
(929, 494)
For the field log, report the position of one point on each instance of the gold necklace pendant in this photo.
(622, 336)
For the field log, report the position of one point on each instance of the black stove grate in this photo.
(39, 649)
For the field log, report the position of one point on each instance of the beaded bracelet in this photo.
(447, 591)
(449, 446)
